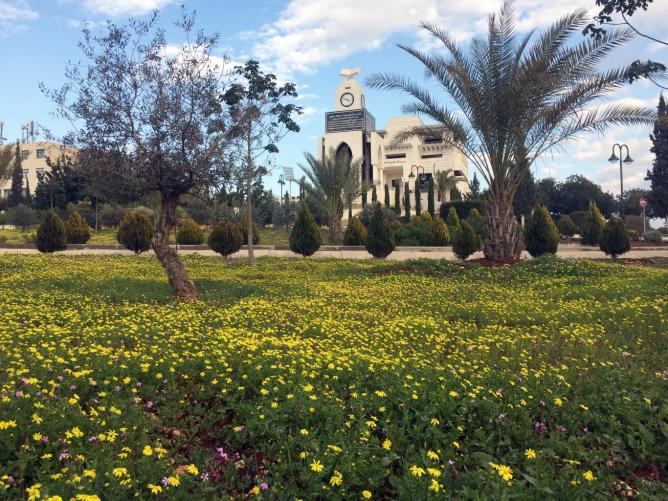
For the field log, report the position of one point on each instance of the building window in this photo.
(25, 154)
(40, 153)
(395, 155)
(433, 140)
(434, 155)
(397, 182)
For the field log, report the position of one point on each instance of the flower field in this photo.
(330, 379)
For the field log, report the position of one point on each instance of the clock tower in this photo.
(349, 96)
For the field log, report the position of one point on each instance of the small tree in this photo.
(380, 239)
(21, 216)
(397, 199)
(135, 232)
(540, 234)
(305, 236)
(454, 225)
(431, 202)
(477, 222)
(355, 233)
(243, 224)
(387, 196)
(225, 238)
(51, 235)
(566, 226)
(438, 233)
(615, 238)
(189, 233)
(407, 203)
(466, 241)
(16, 193)
(76, 229)
(592, 228)
(374, 195)
(418, 198)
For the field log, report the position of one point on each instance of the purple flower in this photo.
(165, 481)
(149, 405)
(561, 429)
(18, 394)
(44, 439)
(93, 438)
(73, 387)
(264, 486)
(221, 453)
(63, 456)
(539, 427)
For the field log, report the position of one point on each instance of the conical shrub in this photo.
(615, 239)
(438, 233)
(380, 239)
(355, 233)
(76, 229)
(453, 222)
(305, 237)
(189, 233)
(243, 225)
(566, 226)
(51, 236)
(466, 242)
(135, 232)
(225, 238)
(541, 235)
(592, 228)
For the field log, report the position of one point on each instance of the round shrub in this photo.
(22, 216)
(305, 237)
(355, 233)
(243, 226)
(135, 232)
(466, 242)
(592, 228)
(380, 239)
(189, 233)
(76, 229)
(51, 235)
(541, 235)
(566, 226)
(438, 233)
(225, 238)
(615, 238)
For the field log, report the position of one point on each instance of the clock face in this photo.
(347, 99)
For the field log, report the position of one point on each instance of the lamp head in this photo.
(411, 175)
(628, 158)
(613, 158)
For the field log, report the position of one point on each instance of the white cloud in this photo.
(14, 15)
(114, 8)
(310, 33)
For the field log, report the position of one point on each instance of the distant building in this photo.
(33, 162)
(351, 129)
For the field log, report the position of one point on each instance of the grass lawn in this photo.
(332, 379)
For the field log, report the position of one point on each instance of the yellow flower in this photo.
(148, 450)
(303, 431)
(416, 471)
(89, 473)
(366, 494)
(5, 425)
(33, 492)
(53, 498)
(155, 489)
(432, 455)
(589, 476)
(435, 422)
(192, 469)
(558, 402)
(456, 445)
(336, 480)
(435, 486)
(434, 472)
(316, 466)
(530, 454)
(255, 490)
(37, 437)
(387, 444)
(119, 472)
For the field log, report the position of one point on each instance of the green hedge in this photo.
(463, 207)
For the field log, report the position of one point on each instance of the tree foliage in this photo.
(566, 226)
(615, 238)
(658, 176)
(541, 235)
(380, 239)
(574, 194)
(51, 236)
(305, 237)
(225, 238)
(16, 194)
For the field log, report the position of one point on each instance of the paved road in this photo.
(401, 254)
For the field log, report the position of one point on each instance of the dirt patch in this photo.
(642, 243)
(490, 263)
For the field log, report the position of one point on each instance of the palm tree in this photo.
(445, 181)
(518, 97)
(331, 181)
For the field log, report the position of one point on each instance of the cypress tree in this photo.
(418, 198)
(466, 242)
(592, 228)
(51, 235)
(355, 233)
(397, 200)
(135, 232)
(431, 202)
(387, 196)
(305, 236)
(16, 194)
(380, 239)
(76, 229)
(453, 222)
(541, 235)
(225, 238)
(407, 204)
(615, 238)
(658, 176)
(374, 195)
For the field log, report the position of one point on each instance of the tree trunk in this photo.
(182, 286)
(335, 231)
(249, 206)
(504, 240)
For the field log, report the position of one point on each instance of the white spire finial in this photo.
(350, 73)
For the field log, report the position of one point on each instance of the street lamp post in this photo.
(614, 158)
(281, 181)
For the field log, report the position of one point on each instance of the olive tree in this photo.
(149, 117)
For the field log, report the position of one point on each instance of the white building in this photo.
(33, 163)
(351, 129)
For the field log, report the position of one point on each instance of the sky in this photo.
(308, 42)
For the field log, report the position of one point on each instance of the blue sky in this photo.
(308, 42)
